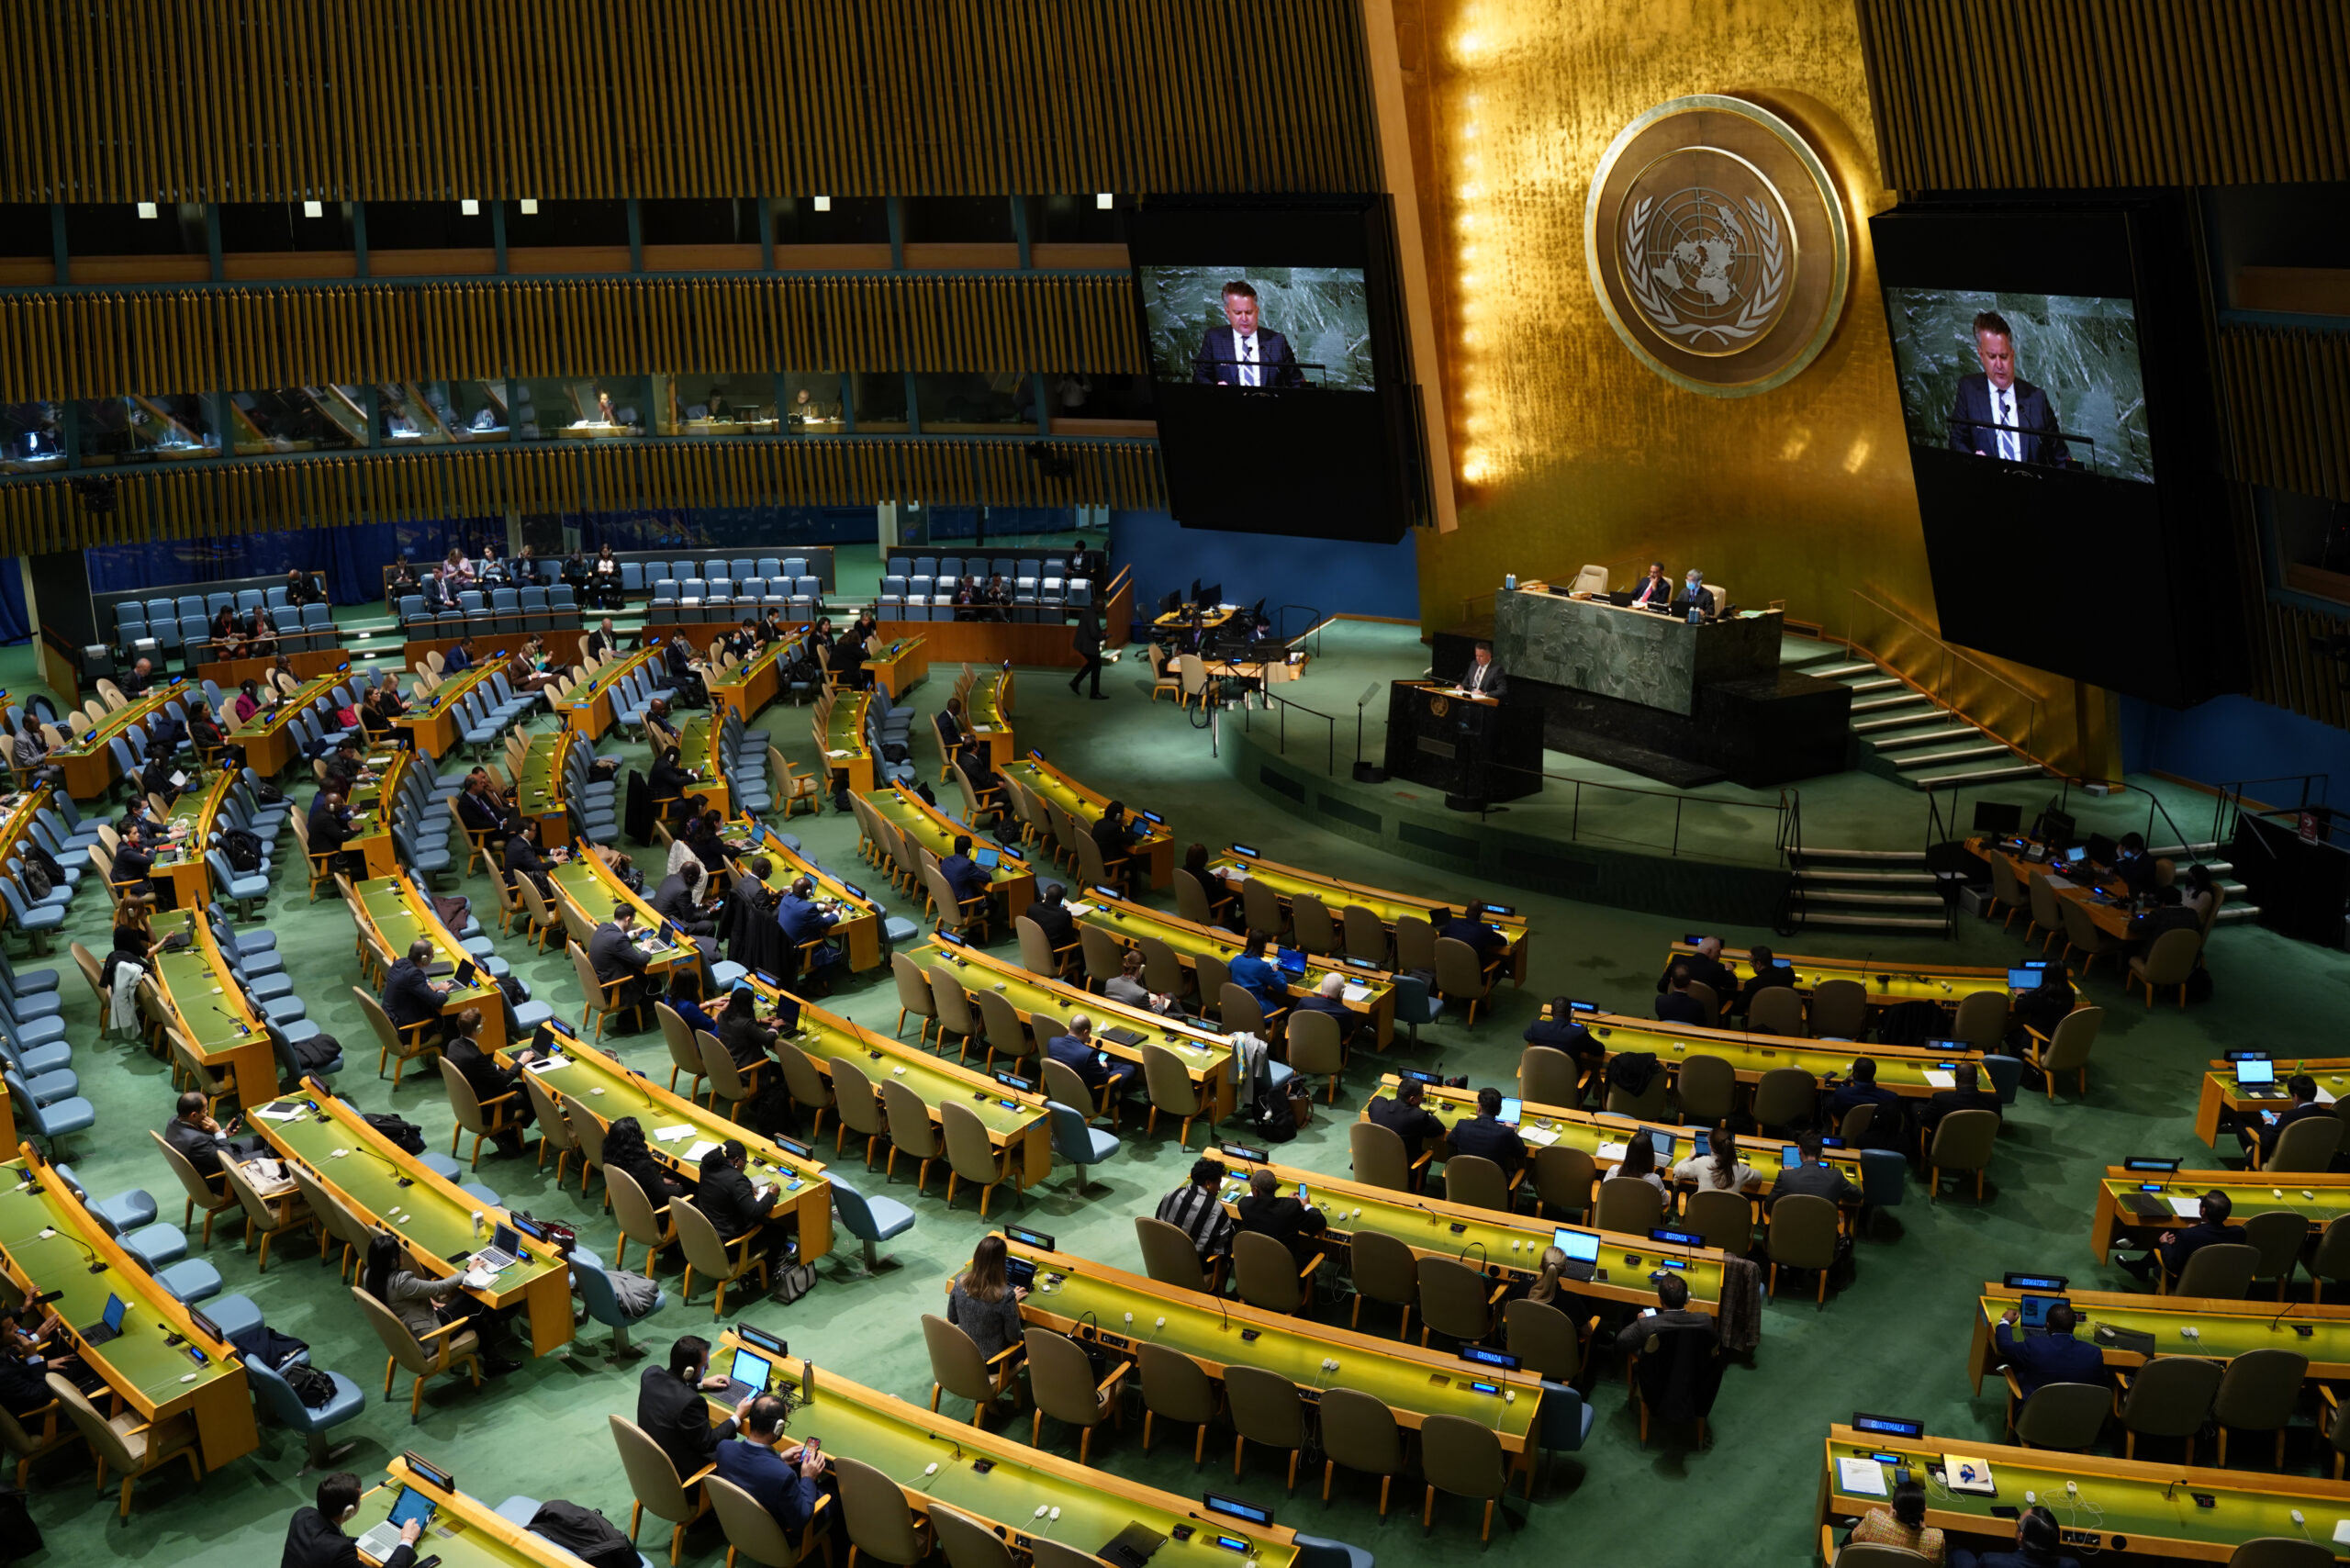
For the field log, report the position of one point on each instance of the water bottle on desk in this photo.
(1510, 582)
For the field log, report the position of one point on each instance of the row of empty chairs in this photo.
(500, 609)
(924, 598)
(199, 606)
(311, 626)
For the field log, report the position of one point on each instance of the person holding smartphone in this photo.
(1293, 1222)
(787, 1478)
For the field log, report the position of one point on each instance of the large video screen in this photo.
(2055, 393)
(1281, 378)
(2048, 379)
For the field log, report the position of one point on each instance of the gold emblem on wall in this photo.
(1718, 245)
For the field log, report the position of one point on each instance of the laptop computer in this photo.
(2031, 1313)
(467, 975)
(749, 1375)
(1020, 1271)
(1292, 961)
(984, 858)
(2027, 977)
(787, 1013)
(1582, 1247)
(379, 1543)
(434, 972)
(1512, 1108)
(505, 1250)
(109, 1326)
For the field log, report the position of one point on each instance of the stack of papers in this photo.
(1541, 1137)
(2188, 1208)
(1609, 1153)
(700, 1148)
(1941, 1079)
(1861, 1477)
(1076, 909)
(1357, 992)
(669, 1135)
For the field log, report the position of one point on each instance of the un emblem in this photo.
(1718, 245)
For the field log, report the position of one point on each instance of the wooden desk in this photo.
(211, 1013)
(432, 718)
(179, 861)
(756, 681)
(1012, 881)
(2101, 898)
(858, 929)
(588, 706)
(987, 707)
(465, 1532)
(1125, 922)
(2319, 1199)
(1336, 893)
(1946, 984)
(1413, 1382)
(1186, 618)
(1601, 1136)
(607, 1090)
(539, 778)
(374, 1176)
(1205, 1055)
(900, 1439)
(697, 740)
(1432, 1227)
(2226, 1329)
(88, 762)
(399, 915)
(838, 721)
(587, 883)
(268, 737)
(1900, 1069)
(143, 1371)
(231, 674)
(371, 823)
(900, 666)
(2221, 1099)
(2146, 1510)
(1155, 850)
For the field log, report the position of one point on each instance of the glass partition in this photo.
(880, 402)
(298, 419)
(258, 226)
(714, 405)
(961, 402)
(812, 402)
(441, 413)
(144, 428)
(605, 408)
(32, 438)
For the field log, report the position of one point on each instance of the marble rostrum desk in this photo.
(1635, 655)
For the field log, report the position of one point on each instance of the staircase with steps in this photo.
(1891, 890)
(1905, 735)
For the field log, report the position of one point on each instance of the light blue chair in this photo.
(1415, 1005)
(246, 891)
(595, 1291)
(1079, 1141)
(1885, 1177)
(125, 1211)
(278, 1400)
(1321, 1551)
(870, 1220)
(2006, 1072)
(1566, 1420)
(233, 1314)
(52, 1122)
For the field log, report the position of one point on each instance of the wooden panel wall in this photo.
(81, 343)
(279, 100)
(236, 497)
(2288, 406)
(1980, 95)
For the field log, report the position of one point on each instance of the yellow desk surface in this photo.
(839, 725)
(87, 760)
(1336, 893)
(211, 1013)
(187, 828)
(900, 1439)
(138, 1365)
(1898, 1067)
(587, 707)
(2319, 1199)
(432, 718)
(465, 1532)
(2146, 1510)
(370, 828)
(586, 883)
(1155, 849)
(1125, 922)
(900, 666)
(400, 916)
(2224, 1329)
(1087, 1297)
(1943, 983)
(1013, 880)
(539, 793)
(2220, 1096)
(697, 740)
(1513, 1244)
(747, 686)
(268, 737)
(987, 702)
(1205, 1055)
(2098, 896)
(858, 930)
(391, 1188)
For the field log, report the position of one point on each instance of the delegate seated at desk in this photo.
(1695, 595)
(1656, 588)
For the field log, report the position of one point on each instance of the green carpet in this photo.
(1895, 1340)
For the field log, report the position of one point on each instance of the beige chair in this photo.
(1063, 1084)
(1313, 1044)
(1311, 923)
(1982, 1019)
(1478, 1182)
(640, 1219)
(2257, 1394)
(2169, 1396)
(1038, 954)
(1378, 1157)
(555, 1129)
(2006, 892)
(965, 1542)
(2066, 1050)
(2066, 1417)
(1162, 971)
(451, 1345)
(1629, 1207)
(972, 1155)
(1267, 1275)
(654, 1483)
(727, 1082)
(856, 1107)
(2082, 935)
(1386, 1271)
(1803, 1235)
(952, 1008)
(1647, 1105)
(47, 1432)
(1963, 1142)
(1359, 1432)
(958, 1368)
(912, 1133)
(1590, 579)
(600, 999)
(683, 1055)
(723, 1260)
(1840, 1007)
(1707, 1087)
(875, 1513)
(1061, 1379)
(200, 1193)
(126, 1444)
(1366, 934)
(1777, 1010)
(914, 995)
(1007, 1036)
(1464, 1458)
(1265, 1408)
(2306, 1146)
(587, 1131)
(1169, 1256)
(1725, 1219)
(807, 1085)
(398, 1046)
(337, 1222)
(1544, 1339)
(2219, 1273)
(265, 1215)
(753, 1532)
(1547, 1076)
(1459, 975)
(482, 1118)
(1565, 1179)
(1172, 1090)
(2168, 963)
(1712, 1001)
(1787, 1097)
(1455, 1301)
(2047, 910)
(1173, 1385)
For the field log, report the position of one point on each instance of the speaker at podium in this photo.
(1475, 749)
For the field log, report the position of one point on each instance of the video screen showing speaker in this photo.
(2056, 395)
(1280, 376)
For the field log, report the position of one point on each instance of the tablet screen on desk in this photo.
(2253, 1073)
(1580, 1246)
(752, 1370)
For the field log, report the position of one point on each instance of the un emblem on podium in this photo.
(1440, 706)
(1718, 245)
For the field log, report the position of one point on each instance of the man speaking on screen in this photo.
(1999, 416)
(1241, 353)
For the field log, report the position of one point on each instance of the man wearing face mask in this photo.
(315, 1538)
(1694, 596)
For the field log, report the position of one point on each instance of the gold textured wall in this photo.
(1568, 451)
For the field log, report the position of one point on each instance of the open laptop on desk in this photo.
(108, 1325)
(1582, 1247)
(379, 1543)
(2031, 1313)
(2257, 1080)
(986, 859)
(505, 1250)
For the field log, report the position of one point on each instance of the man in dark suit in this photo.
(1672, 1312)
(670, 1407)
(1487, 1136)
(746, 1039)
(2174, 1247)
(1962, 1096)
(488, 1080)
(137, 678)
(1483, 939)
(1694, 595)
(329, 822)
(964, 875)
(787, 1479)
(459, 658)
(1286, 1220)
(801, 920)
(1562, 1033)
(522, 859)
(1405, 1117)
(1810, 1175)
(200, 1140)
(1768, 972)
(2052, 1357)
(735, 1206)
(603, 640)
(2168, 911)
(1077, 1051)
(315, 1539)
(679, 901)
(2270, 1126)
(1999, 415)
(2134, 864)
(1705, 966)
(134, 863)
(1655, 592)
(613, 955)
(1088, 644)
(409, 996)
(1888, 1126)
(1678, 1004)
(1239, 353)
(1115, 838)
(1050, 912)
(1484, 677)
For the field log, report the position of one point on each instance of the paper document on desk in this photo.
(700, 1148)
(2061, 884)
(840, 753)
(1076, 909)
(2186, 1208)
(548, 1064)
(670, 1135)
(1609, 1153)
(1357, 992)
(1541, 1137)
(1940, 1079)
(1861, 1477)
(277, 1114)
(2324, 1095)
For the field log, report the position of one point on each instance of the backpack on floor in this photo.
(1276, 1121)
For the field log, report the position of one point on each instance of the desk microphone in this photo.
(242, 1027)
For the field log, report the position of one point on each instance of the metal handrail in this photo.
(1939, 691)
(2232, 795)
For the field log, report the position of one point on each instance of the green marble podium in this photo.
(1635, 655)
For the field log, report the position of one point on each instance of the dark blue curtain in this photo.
(16, 623)
(350, 557)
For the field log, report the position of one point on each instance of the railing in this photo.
(1942, 667)
(2232, 801)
